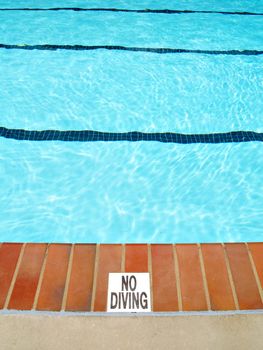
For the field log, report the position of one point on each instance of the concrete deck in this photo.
(41, 332)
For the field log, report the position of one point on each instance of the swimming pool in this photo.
(53, 78)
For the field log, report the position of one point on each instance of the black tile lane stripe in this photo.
(50, 47)
(156, 11)
(133, 136)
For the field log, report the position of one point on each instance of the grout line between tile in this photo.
(177, 278)
(255, 272)
(96, 268)
(201, 259)
(11, 287)
(150, 272)
(41, 276)
(65, 295)
(230, 276)
(123, 256)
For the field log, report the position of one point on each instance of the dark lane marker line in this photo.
(158, 50)
(164, 11)
(133, 136)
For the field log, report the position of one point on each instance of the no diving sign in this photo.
(129, 292)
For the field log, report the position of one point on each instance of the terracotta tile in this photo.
(218, 283)
(53, 284)
(256, 250)
(81, 279)
(244, 280)
(109, 261)
(163, 278)
(9, 254)
(136, 258)
(192, 288)
(23, 294)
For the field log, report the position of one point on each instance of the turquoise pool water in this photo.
(122, 191)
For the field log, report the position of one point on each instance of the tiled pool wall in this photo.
(184, 277)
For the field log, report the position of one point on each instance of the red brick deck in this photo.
(184, 277)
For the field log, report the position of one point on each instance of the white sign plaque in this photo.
(129, 292)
